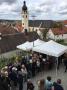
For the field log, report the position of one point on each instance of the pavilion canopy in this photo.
(51, 48)
(29, 45)
(25, 46)
(37, 42)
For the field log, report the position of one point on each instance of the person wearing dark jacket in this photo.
(34, 68)
(57, 85)
(4, 83)
(30, 85)
(13, 76)
(65, 63)
(20, 80)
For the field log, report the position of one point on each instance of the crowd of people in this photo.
(14, 75)
(48, 84)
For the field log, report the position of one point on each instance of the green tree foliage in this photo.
(45, 33)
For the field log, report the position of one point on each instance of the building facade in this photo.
(57, 34)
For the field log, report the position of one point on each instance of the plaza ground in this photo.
(60, 74)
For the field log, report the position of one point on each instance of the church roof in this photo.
(43, 23)
(58, 31)
(65, 22)
(7, 29)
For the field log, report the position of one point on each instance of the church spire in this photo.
(24, 8)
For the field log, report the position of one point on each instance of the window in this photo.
(26, 16)
(23, 23)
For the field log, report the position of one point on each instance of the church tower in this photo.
(25, 17)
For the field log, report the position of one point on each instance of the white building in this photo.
(25, 17)
(57, 34)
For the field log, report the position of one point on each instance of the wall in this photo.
(10, 54)
(50, 35)
(58, 37)
(31, 29)
(25, 18)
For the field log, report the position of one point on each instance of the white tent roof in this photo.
(51, 48)
(25, 46)
(37, 42)
(29, 45)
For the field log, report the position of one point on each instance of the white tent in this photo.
(51, 48)
(29, 45)
(37, 42)
(25, 46)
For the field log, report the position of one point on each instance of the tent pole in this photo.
(56, 66)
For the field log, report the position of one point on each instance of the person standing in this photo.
(4, 85)
(65, 63)
(30, 85)
(38, 65)
(24, 72)
(41, 84)
(33, 66)
(13, 77)
(57, 85)
(20, 80)
(48, 83)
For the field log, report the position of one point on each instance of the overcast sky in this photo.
(42, 9)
